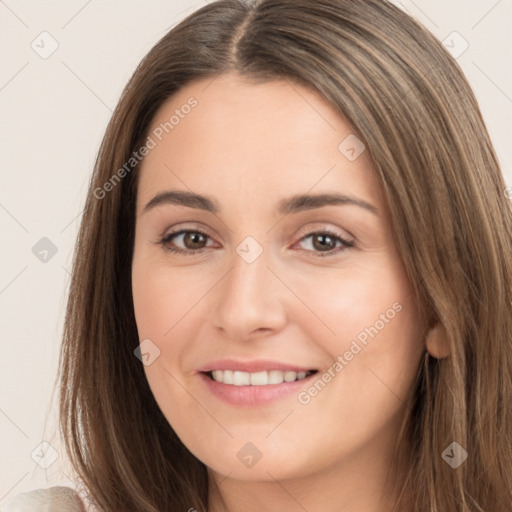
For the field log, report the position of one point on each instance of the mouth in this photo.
(261, 378)
(254, 383)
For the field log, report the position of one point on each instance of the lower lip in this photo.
(249, 396)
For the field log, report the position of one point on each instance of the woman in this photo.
(341, 336)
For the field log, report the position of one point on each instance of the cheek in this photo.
(375, 353)
(368, 302)
(162, 299)
(374, 338)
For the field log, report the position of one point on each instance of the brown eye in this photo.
(325, 243)
(191, 242)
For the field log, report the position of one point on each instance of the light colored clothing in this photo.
(54, 499)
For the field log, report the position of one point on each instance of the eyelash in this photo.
(191, 252)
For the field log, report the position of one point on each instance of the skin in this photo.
(249, 146)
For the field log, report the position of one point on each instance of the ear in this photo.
(436, 341)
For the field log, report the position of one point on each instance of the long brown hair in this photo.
(410, 104)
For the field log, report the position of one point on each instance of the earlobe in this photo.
(436, 342)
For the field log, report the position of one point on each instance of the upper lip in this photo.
(253, 366)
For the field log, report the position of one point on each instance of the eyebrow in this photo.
(293, 204)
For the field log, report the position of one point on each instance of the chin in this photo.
(258, 461)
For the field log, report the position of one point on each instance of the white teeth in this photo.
(263, 378)
(259, 379)
(275, 377)
(241, 378)
(290, 376)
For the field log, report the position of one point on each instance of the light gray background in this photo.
(54, 112)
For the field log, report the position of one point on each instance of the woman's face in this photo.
(270, 285)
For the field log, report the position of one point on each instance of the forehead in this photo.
(258, 140)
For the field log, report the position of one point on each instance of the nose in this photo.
(250, 301)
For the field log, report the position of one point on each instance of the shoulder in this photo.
(53, 499)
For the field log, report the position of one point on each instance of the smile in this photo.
(261, 378)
